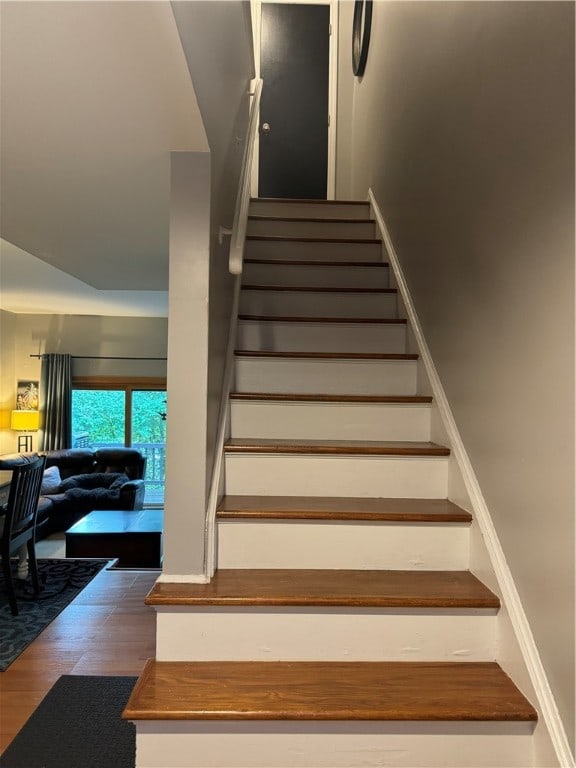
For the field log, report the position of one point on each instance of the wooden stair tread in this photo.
(341, 508)
(390, 691)
(356, 447)
(317, 262)
(312, 319)
(352, 588)
(260, 217)
(328, 355)
(307, 200)
(288, 239)
(316, 289)
(321, 398)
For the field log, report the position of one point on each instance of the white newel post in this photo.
(186, 487)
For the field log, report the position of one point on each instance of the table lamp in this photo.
(25, 421)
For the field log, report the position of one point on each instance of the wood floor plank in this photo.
(340, 447)
(112, 599)
(391, 691)
(319, 587)
(342, 508)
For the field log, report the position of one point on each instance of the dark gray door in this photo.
(294, 64)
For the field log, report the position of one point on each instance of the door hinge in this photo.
(328, 120)
(329, 29)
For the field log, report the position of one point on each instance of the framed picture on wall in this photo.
(27, 395)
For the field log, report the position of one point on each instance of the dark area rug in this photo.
(64, 579)
(77, 725)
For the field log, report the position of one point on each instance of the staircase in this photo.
(342, 627)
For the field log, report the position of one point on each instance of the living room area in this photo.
(117, 401)
(107, 629)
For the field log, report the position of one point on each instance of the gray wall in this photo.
(217, 42)
(185, 496)
(463, 126)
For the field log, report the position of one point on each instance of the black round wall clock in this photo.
(361, 35)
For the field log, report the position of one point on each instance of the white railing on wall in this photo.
(236, 260)
(238, 238)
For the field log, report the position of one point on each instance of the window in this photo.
(120, 412)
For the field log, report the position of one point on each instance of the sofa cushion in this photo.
(45, 504)
(127, 460)
(91, 481)
(93, 493)
(121, 479)
(51, 480)
(71, 461)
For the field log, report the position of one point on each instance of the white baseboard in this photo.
(510, 597)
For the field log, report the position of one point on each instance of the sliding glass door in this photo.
(148, 422)
(124, 414)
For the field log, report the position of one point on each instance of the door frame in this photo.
(256, 9)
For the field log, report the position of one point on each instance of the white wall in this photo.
(463, 127)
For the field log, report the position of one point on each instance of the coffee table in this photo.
(132, 536)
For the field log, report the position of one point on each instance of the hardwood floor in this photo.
(106, 630)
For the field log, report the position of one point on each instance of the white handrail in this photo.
(243, 199)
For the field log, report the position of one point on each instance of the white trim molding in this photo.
(510, 597)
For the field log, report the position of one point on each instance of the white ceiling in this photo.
(94, 96)
(30, 285)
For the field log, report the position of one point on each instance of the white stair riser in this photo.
(308, 475)
(324, 634)
(357, 546)
(330, 421)
(318, 304)
(278, 336)
(359, 230)
(310, 210)
(270, 249)
(339, 744)
(355, 377)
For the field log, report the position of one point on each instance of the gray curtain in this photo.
(56, 402)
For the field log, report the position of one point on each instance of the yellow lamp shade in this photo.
(25, 421)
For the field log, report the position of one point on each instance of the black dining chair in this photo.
(20, 520)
